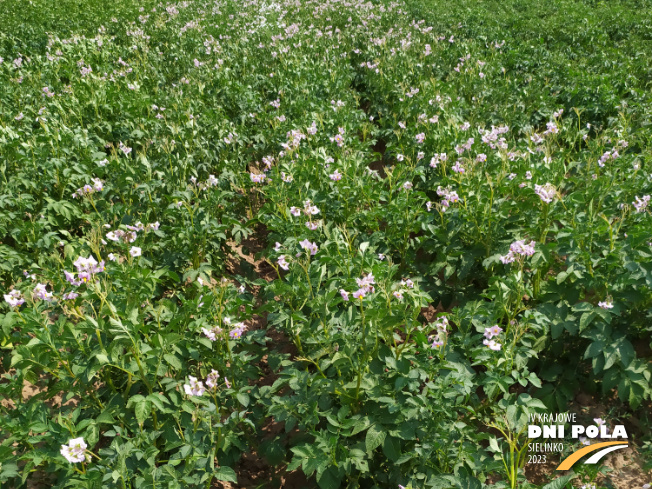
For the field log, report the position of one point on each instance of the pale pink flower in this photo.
(75, 451)
(14, 298)
(518, 249)
(406, 282)
(237, 331)
(546, 192)
(641, 204)
(458, 168)
(124, 148)
(493, 331)
(211, 379)
(366, 283)
(491, 344)
(308, 246)
(335, 176)
(42, 294)
(441, 324)
(195, 387)
(212, 333)
(437, 342)
(359, 294)
(283, 263)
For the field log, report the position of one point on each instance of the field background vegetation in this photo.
(334, 244)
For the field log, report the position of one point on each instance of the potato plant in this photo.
(443, 209)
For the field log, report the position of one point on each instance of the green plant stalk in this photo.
(362, 363)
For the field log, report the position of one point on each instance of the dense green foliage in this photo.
(449, 204)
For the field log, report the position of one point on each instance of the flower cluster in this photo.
(130, 236)
(312, 130)
(294, 138)
(536, 139)
(308, 246)
(237, 331)
(14, 298)
(196, 387)
(211, 182)
(489, 334)
(434, 161)
(546, 192)
(86, 268)
(308, 209)
(461, 148)
(124, 148)
(366, 286)
(449, 196)
(641, 204)
(442, 329)
(232, 138)
(283, 263)
(42, 294)
(87, 189)
(336, 176)
(608, 155)
(491, 139)
(404, 283)
(257, 178)
(211, 379)
(75, 451)
(212, 333)
(339, 137)
(518, 249)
